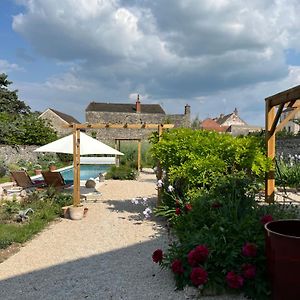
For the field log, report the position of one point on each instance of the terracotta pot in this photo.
(52, 168)
(38, 172)
(76, 212)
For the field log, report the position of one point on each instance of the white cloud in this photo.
(172, 50)
(6, 66)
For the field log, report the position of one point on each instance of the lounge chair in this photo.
(23, 180)
(55, 180)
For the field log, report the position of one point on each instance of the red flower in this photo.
(265, 219)
(177, 267)
(249, 250)
(198, 255)
(188, 207)
(216, 205)
(198, 276)
(234, 281)
(249, 271)
(157, 256)
(177, 211)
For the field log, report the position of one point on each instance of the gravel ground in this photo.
(107, 255)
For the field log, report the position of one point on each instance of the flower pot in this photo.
(76, 212)
(38, 172)
(52, 168)
(283, 257)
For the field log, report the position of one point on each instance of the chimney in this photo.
(138, 105)
(235, 111)
(187, 110)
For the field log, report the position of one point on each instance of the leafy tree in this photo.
(9, 101)
(18, 125)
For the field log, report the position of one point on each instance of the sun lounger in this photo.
(55, 180)
(23, 180)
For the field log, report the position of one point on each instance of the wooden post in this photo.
(270, 144)
(139, 156)
(76, 164)
(159, 169)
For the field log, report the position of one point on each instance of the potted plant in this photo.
(76, 212)
(52, 166)
(37, 169)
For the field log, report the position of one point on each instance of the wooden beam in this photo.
(284, 97)
(76, 165)
(120, 126)
(289, 117)
(159, 169)
(270, 144)
(139, 156)
(277, 117)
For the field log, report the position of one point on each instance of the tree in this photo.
(18, 125)
(9, 102)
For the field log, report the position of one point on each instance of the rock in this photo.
(90, 183)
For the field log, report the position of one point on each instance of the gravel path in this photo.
(107, 255)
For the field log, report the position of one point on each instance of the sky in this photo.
(214, 55)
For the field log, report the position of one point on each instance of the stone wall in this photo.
(290, 145)
(57, 123)
(110, 134)
(13, 154)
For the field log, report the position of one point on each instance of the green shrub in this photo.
(46, 205)
(288, 173)
(228, 224)
(122, 172)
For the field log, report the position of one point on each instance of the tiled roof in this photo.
(220, 120)
(210, 124)
(65, 117)
(124, 107)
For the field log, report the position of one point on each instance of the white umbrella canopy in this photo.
(88, 145)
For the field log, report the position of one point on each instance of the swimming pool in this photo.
(86, 172)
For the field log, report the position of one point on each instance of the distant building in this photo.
(231, 123)
(138, 113)
(236, 130)
(230, 119)
(291, 126)
(210, 124)
(58, 120)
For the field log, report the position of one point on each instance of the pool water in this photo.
(86, 172)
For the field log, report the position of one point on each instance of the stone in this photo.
(90, 183)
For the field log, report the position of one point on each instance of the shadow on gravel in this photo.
(127, 273)
(136, 210)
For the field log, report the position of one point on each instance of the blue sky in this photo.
(213, 55)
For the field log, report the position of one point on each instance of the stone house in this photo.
(231, 123)
(138, 113)
(230, 119)
(58, 120)
(291, 125)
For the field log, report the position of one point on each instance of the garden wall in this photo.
(288, 145)
(13, 154)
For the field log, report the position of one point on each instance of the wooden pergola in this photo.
(274, 107)
(76, 147)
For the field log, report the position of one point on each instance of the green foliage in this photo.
(122, 172)
(9, 102)
(224, 220)
(195, 160)
(19, 126)
(46, 205)
(130, 154)
(288, 173)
